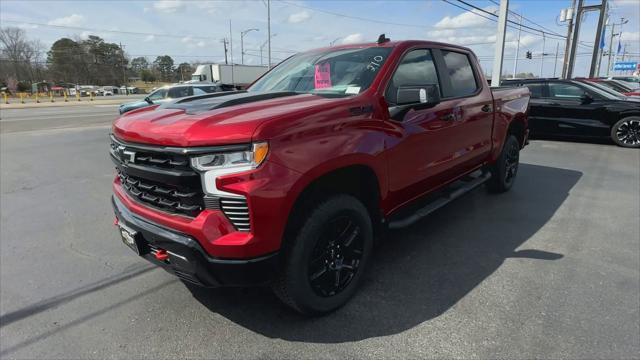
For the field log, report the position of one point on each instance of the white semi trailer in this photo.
(229, 76)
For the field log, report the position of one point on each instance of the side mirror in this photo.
(148, 100)
(586, 99)
(414, 97)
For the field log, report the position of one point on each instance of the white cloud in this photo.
(299, 17)
(209, 6)
(353, 39)
(630, 36)
(168, 6)
(71, 20)
(187, 39)
(149, 38)
(200, 44)
(27, 26)
(465, 20)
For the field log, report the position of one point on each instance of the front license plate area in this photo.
(131, 238)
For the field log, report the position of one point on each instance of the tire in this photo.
(504, 170)
(316, 256)
(626, 132)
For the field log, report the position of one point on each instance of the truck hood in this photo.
(214, 119)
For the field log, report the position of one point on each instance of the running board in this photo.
(468, 183)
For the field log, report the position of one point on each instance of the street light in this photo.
(242, 34)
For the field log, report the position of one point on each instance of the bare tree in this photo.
(14, 44)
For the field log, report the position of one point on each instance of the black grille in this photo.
(187, 201)
(237, 211)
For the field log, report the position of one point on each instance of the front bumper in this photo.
(188, 260)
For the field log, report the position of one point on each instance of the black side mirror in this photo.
(586, 99)
(414, 97)
(148, 100)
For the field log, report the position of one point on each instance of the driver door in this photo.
(570, 115)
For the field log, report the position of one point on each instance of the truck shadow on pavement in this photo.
(420, 272)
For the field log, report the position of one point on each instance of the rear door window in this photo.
(537, 90)
(463, 79)
(180, 92)
(205, 89)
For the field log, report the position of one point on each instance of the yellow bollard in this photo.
(6, 98)
(65, 96)
(78, 95)
(51, 96)
(21, 99)
(91, 96)
(37, 99)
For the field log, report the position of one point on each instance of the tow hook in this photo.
(162, 255)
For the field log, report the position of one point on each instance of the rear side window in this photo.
(416, 68)
(536, 90)
(463, 80)
(179, 92)
(206, 89)
(158, 94)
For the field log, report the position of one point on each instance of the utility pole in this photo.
(596, 47)
(124, 71)
(224, 41)
(242, 34)
(231, 51)
(555, 62)
(542, 58)
(515, 60)
(269, 30)
(570, 15)
(575, 34)
(499, 49)
(613, 30)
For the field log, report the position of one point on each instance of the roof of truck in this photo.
(404, 43)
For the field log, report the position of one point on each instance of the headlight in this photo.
(214, 165)
(249, 159)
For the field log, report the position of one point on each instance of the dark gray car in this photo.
(168, 93)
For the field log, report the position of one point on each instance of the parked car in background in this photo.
(631, 81)
(617, 86)
(169, 93)
(572, 108)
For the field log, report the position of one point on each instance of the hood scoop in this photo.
(202, 103)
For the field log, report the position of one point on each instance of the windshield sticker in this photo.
(374, 65)
(352, 90)
(323, 76)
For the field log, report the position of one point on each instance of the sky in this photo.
(191, 31)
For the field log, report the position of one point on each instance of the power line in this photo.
(531, 21)
(112, 31)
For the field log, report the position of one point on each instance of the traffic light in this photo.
(528, 55)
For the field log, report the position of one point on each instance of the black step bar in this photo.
(467, 184)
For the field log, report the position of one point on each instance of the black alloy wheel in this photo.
(335, 259)
(511, 160)
(626, 132)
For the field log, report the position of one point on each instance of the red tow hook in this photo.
(162, 255)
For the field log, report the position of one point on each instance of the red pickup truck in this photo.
(289, 182)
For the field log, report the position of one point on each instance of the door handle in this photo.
(487, 108)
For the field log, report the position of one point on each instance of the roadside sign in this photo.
(625, 65)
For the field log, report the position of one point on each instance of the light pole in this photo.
(242, 34)
(613, 29)
(334, 41)
(268, 41)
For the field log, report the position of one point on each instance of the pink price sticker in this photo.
(323, 76)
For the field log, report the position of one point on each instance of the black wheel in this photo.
(326, 258)
(626, 132)
(505, 169)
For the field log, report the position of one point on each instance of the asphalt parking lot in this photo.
(548, 270)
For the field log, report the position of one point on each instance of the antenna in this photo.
(383, 39)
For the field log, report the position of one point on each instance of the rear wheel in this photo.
(325, 261)
(626, 132)
(505, 169)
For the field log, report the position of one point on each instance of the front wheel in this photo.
(626, 132)
(327, 257)
(505, 169)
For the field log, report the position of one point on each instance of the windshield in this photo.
(342, 72)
